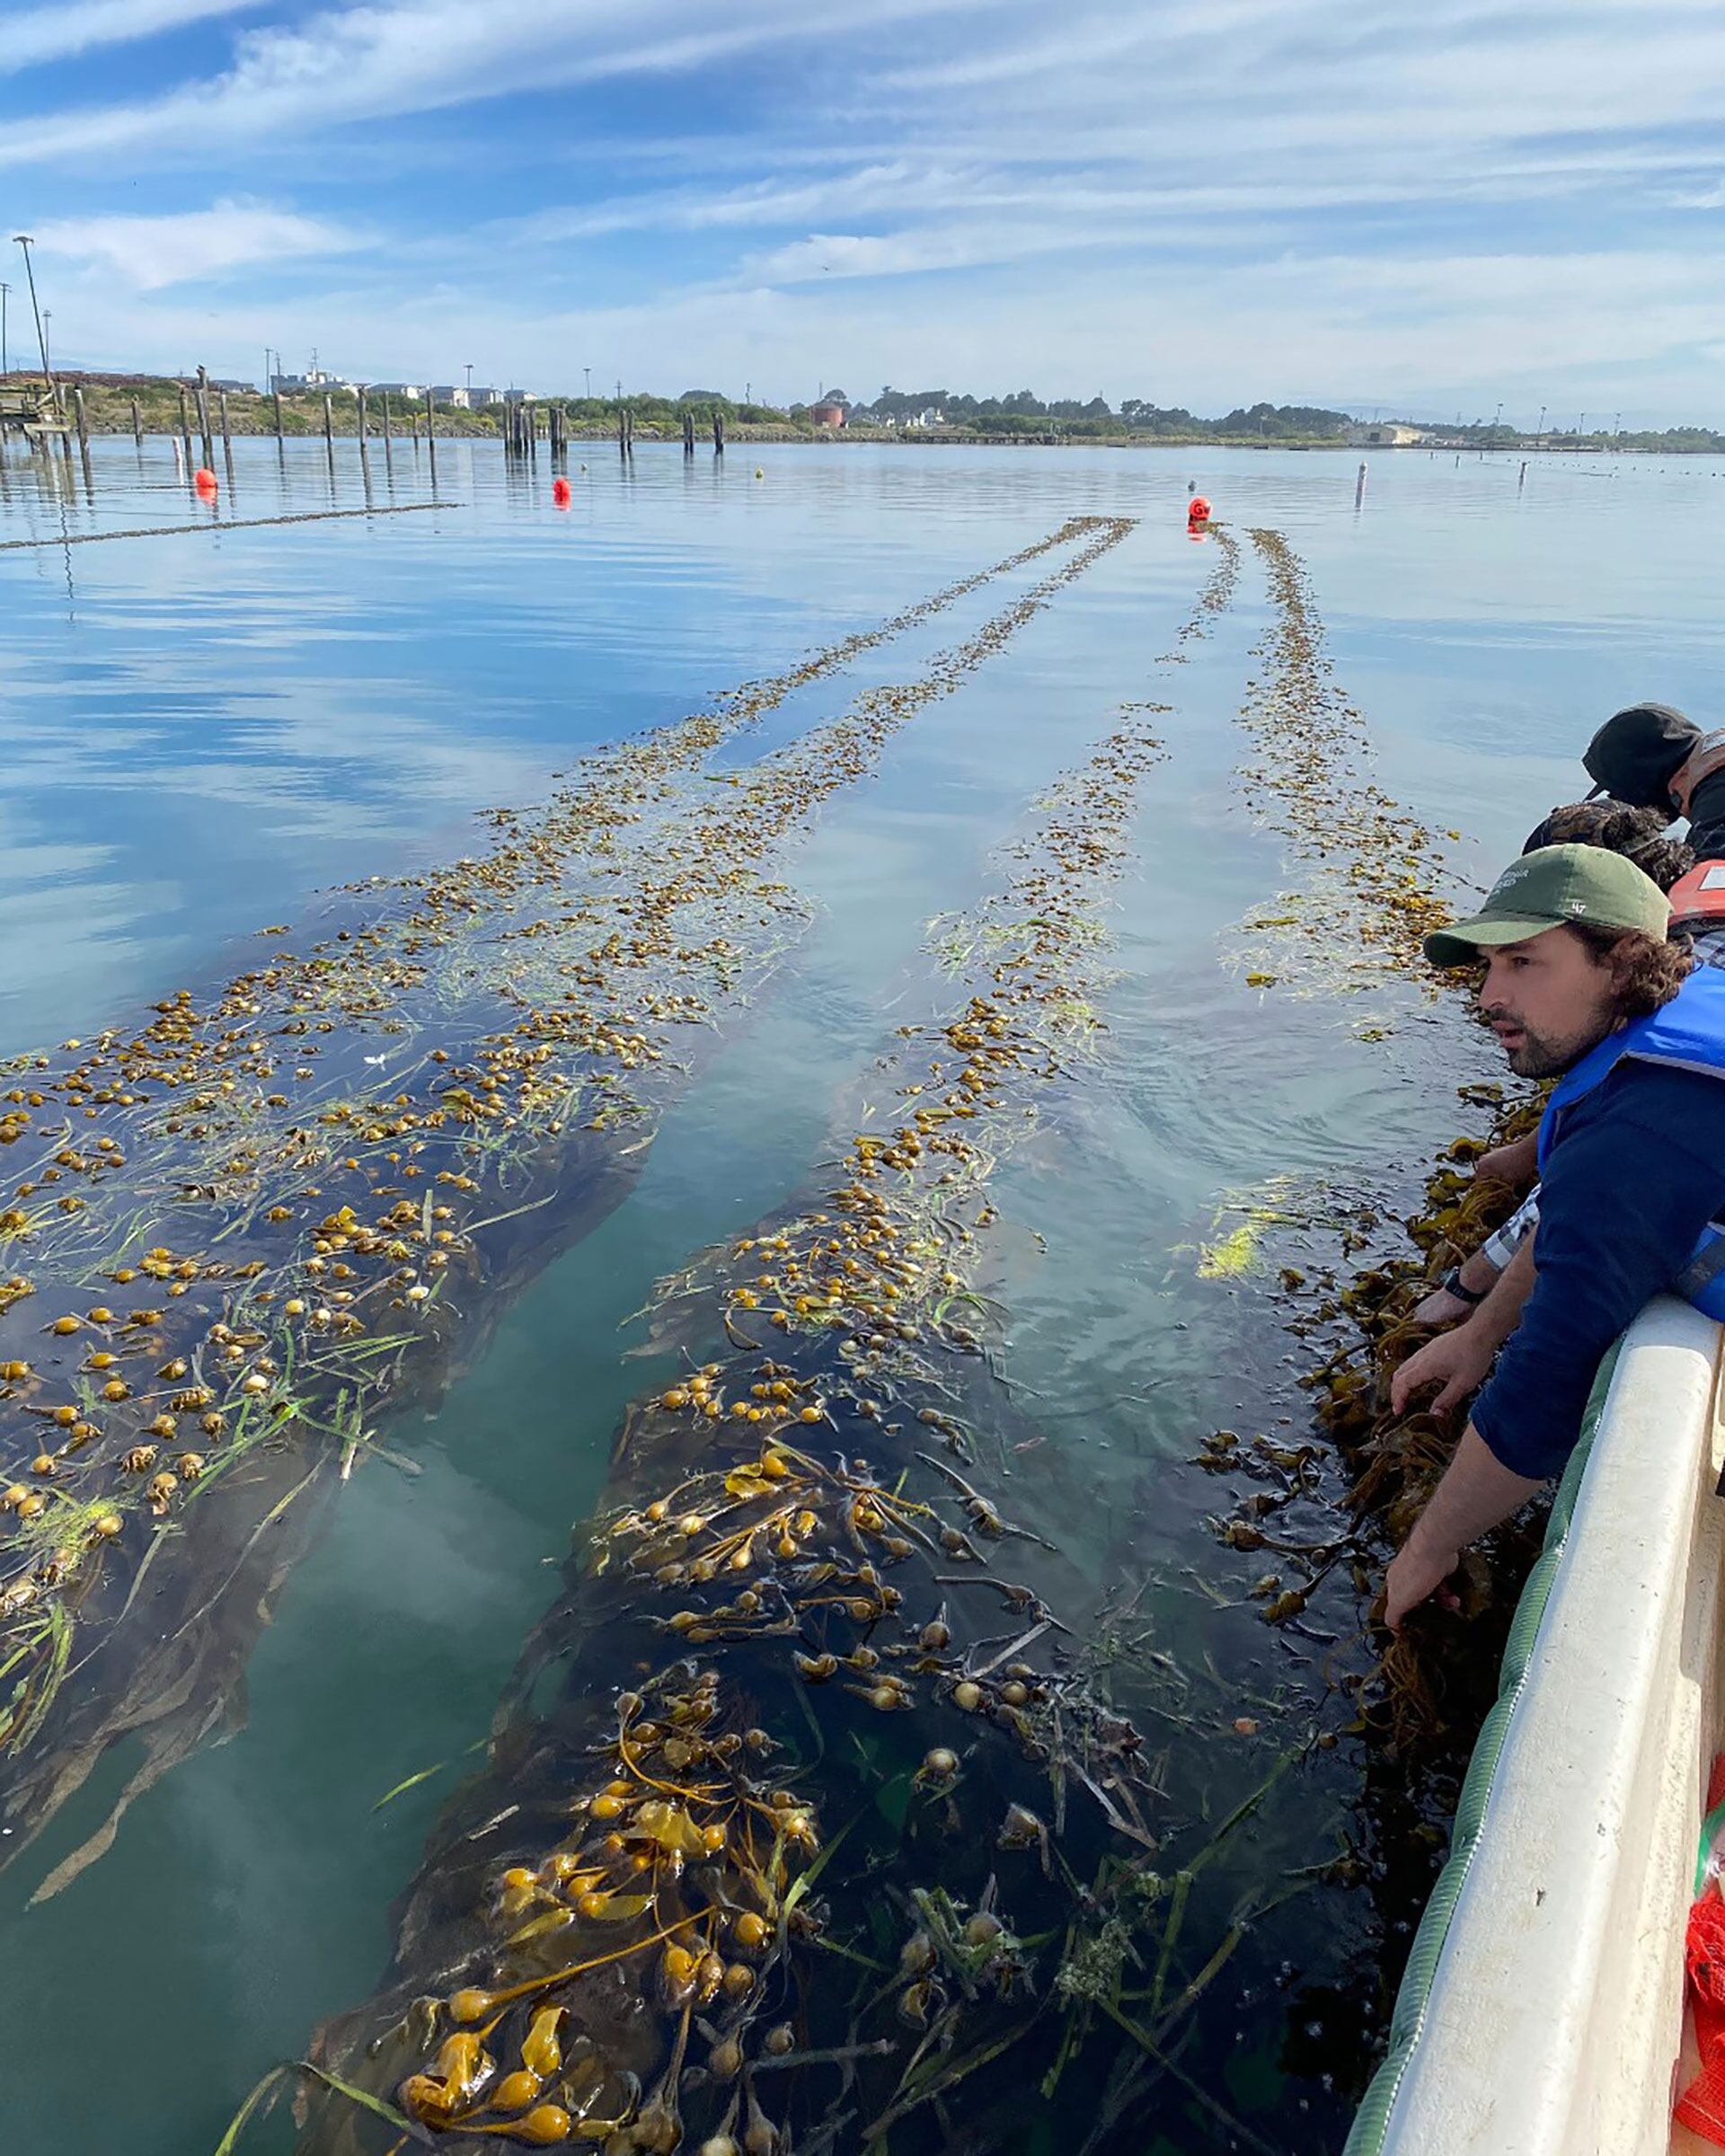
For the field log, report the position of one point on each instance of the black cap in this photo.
(1636, 754)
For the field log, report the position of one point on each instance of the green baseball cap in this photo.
(1549, 887)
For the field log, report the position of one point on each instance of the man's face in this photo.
(1549, 1000)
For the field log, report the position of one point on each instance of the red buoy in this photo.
(560, 492)
(205, 480)
(1197, 510)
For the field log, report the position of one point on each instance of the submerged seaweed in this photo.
(806, 1806)
(242, 1228)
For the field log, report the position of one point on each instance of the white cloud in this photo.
(187, 247)
(419, 56)
(31, 35)
(1202, 202)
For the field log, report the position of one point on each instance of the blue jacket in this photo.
(1632, 1148)
(1688, 1035)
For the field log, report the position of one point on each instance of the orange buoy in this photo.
(205, 480)
(1198, 509)
(560, 492)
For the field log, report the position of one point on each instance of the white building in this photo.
(1391, 434)
(396, 389)
(312, 380)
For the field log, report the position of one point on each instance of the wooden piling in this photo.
(276, 394)
(204, 434)
(138, 424)
(185, 420)
(719, 434)
(77, 406)
(227, 438)
(688, 432)
(329, 421)
(362, 415)
(622, 431)
(1359, 487)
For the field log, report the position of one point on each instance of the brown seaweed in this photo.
(240, 1231)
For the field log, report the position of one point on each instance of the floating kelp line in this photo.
(805, 1806)
(1369, 893)
(240, 1238)
(1215, 597)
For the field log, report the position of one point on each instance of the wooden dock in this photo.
(36, 413)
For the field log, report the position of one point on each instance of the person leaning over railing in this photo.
(1582, 984)
(1639, 835)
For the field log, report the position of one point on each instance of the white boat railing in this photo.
(1542, 2009)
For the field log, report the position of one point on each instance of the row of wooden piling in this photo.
(521, 433)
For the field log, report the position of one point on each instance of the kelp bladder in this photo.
(242, 1228)
(805, 1806)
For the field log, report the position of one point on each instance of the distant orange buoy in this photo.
(205, 480)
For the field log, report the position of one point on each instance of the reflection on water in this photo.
(203, 731)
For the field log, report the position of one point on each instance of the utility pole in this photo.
(1541, 429)
(587, 371)
(470, 382)
(747, 386)
(25, 244)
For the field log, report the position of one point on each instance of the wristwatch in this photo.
(1452, 1284)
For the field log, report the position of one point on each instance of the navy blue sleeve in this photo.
(1636, 1175)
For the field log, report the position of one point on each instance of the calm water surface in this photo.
(200, 733)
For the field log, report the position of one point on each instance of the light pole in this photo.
(587, 372)
(470, 381)
(25, 244)
(1541, 429)
(1498, 415)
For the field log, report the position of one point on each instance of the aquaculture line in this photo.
(240, 1228)
(806, 1806)
(1360, 917)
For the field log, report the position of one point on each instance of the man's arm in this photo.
(1460, 1361)
(1640, 1173)
(1476, 1493)
(1517, 1162)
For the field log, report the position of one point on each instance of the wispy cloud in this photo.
(35, 34)
(1235, 196)
(190, 246)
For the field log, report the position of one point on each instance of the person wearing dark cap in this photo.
(1652, 757)
(1582, 984)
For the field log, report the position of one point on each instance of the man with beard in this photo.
(1581, 984)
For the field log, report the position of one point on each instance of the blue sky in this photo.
(1428, 208)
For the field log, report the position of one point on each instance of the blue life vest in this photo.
(1688, 1035)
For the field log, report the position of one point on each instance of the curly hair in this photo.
(1637, 833)
(1648, 971)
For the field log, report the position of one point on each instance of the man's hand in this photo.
(1415, 1572)
(1457, 1363)
(1517, 1162)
